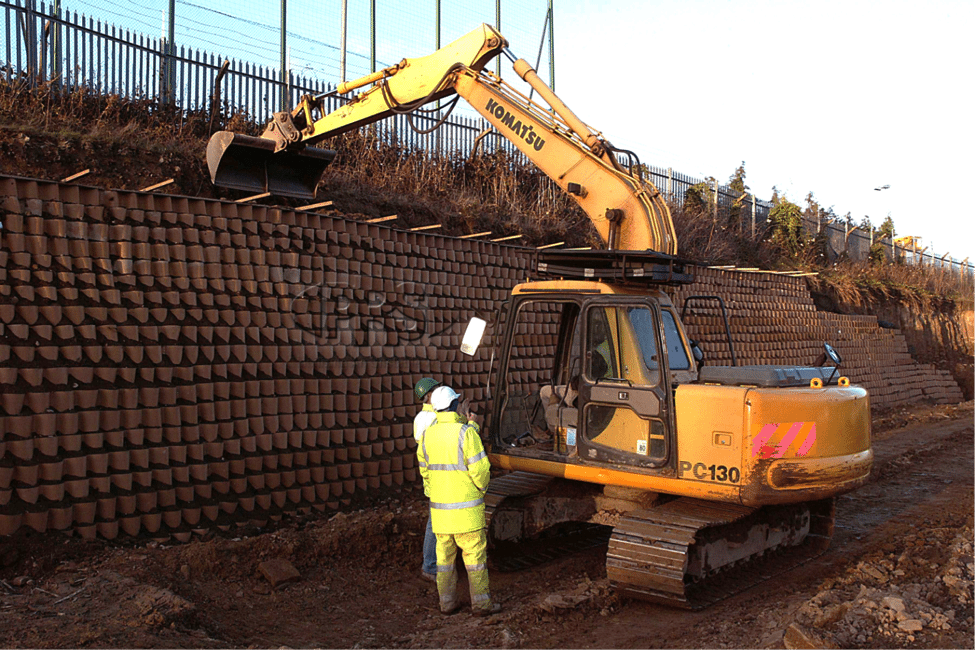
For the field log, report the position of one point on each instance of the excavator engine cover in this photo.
(244, 162)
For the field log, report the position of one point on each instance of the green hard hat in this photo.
(423, 387)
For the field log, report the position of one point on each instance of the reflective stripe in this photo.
(447, 468)
(422, 464)
(457, 506)
(476, 567)
(460, 446)
(471, 461)
(442, 568)
(480, 598)
(423, 446)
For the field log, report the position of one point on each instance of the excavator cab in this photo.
(587, 375)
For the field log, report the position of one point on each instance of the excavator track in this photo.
(691, 553)
(515, 484)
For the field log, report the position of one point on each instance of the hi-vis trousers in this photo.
(473, 548)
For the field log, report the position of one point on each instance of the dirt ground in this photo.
(898, 574)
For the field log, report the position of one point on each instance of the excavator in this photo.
(601, 409)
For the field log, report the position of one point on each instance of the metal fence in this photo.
(44, 43)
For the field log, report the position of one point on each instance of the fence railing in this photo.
(44, 44)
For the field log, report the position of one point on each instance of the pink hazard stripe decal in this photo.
(788, 438)
(758, 446)
(774, 439)
(808, 442)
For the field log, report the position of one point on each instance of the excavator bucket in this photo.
(243, 162)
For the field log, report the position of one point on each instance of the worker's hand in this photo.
(465, 408)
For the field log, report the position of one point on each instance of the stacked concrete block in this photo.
(169, 364)
(172, 364)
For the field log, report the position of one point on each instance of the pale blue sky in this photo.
(833, 97)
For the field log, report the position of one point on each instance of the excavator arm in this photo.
(628, 212)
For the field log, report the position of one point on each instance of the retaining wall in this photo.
(172, 364)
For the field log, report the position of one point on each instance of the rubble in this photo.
(278, 572)
(895, 599)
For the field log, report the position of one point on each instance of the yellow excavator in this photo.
(600, 406)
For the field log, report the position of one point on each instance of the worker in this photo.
(423, 419)
(456, 472)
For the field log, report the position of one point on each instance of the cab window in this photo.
(676, 352)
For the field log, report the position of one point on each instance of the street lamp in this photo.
(893, 252)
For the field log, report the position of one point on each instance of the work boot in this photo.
(432, 577)
(494, 608)
(451, 609)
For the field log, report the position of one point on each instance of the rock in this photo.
(509, 639)
(160, 607)
(873, 572)
(894, 603)
(278, 572)
(185, 571)
(797, 636)
(562, 601)
(20, 581)
(911, 625)
(832, 614)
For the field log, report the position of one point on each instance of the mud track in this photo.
(898, 574)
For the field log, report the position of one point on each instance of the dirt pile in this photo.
(918, 591)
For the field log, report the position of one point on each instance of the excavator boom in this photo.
(628, 212)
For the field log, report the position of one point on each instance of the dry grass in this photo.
(924, 287)
(83, 112)
(491, 192)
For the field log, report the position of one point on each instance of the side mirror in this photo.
(698, 354)
(473, 336)
(833, 356)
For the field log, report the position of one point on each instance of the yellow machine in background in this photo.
(711, 467)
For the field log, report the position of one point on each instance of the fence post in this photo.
(284, 54)
(670, 183)
(715, 211)
(753, 216)
(372, 33)
(551, 45)
(167, 62)
(56, 35)
(31, 41)
(497, 13)
(343, 44)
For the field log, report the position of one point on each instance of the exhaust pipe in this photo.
(244, 162)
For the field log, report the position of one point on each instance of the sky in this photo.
(834, 98)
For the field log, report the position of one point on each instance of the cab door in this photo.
(625, 399)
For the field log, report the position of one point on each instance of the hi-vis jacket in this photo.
(456, 472)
